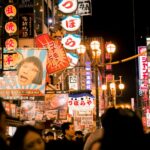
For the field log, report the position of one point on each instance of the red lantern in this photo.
(10, 27)
(11, 44)
(10, 11)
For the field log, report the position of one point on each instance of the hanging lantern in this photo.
(10, 11)
(10, 27)
(11, 44)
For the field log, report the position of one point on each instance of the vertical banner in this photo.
(143, 79)
(26, 19)
(27, 80)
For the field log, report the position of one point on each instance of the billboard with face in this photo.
(24, 74)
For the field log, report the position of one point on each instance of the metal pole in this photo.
(97, 96)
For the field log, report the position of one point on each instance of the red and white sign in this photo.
(143, 68)
(71, 23)
(57, 58)
(81, 103)
(71, 41)
(67, 6)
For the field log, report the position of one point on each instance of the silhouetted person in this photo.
(68, 140)
(3, 137)
(79, 138)
(123, 130)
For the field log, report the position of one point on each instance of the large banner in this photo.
(25, 74)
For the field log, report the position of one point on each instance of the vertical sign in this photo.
(26, 19)
(84, 7)
(73, 83)
(143, 78)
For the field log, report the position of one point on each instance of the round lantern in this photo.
(10, 11)
(11, 44)
(10, 27)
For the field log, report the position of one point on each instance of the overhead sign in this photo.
(71, 23)
(71, 41)
(57, 58)
(67, 6)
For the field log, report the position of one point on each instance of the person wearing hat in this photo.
(3, 137)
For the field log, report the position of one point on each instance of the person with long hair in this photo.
(27, 137)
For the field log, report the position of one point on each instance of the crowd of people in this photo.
(121, 129)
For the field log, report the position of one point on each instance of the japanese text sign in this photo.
(67, 6)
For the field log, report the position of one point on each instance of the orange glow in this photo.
(10, 27)
(10, 11)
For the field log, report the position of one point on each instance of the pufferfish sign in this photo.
(57, 58)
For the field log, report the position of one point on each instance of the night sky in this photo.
(126, 25)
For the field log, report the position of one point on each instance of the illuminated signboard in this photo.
(57, 58)
(27, 80)
(71, 23)
(81, 103)
(84, 7)
(143, 68)
(67, 6)
(71, 41)
(88, 76)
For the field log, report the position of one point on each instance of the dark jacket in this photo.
(65, 144)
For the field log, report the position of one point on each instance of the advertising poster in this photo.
(57, 102)
(25, 74)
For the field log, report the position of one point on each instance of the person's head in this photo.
(48, 136)
(79, 134)
(93, 141)
(30, 70)
(121, 126)
(2, 118)
(68, 129)
(27, 137)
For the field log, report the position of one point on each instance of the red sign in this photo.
(10, 11)
(57, 58)
(11, 44)
(10, 27)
